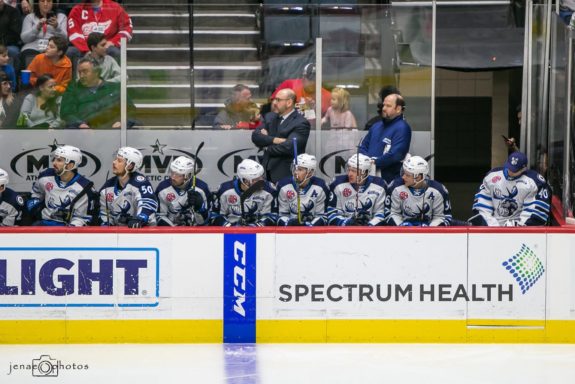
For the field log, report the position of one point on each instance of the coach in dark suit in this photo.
(276, 135)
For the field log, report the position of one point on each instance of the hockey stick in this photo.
(357, 174)
(194, 179)
(257, 186)
(106, 198)
(295, 180)
(68, 218)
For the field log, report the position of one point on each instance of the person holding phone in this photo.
(37, 29)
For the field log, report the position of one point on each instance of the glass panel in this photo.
(550, 150)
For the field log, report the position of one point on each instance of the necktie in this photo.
(280, 120)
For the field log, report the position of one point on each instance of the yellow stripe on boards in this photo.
(110, 331)
(289, 331)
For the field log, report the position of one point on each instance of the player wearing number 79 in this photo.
(127, 199)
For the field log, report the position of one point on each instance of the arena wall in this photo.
(100, 285)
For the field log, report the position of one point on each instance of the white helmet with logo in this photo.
(249, 170)
(69, 153)
(4, 179)
(183, 165)
(132, 156)
(416, 165)
(360, 161)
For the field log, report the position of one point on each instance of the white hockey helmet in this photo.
(4, 179)
(307, 161)
(69, 153)
(132, 156)
(360, 161)
(416, 165)
(183, 165)
(249, 170)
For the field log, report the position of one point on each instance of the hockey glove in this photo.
(195, 200)
(349, 222)
(362, 218)
(406, 224)
(138, 221)
(293, 223)
(34, 207)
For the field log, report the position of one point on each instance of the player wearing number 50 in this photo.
(302, 198)
(182, 201)
(357, 198)
(512, 196)
(127, 199)
(415, 200)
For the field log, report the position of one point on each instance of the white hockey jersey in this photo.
(118, 205)
(368, 205)
(259, 208)
(58, 197)
(425, 206)
(502, 201)
(11, 206)
(173, 204)
(312, 201)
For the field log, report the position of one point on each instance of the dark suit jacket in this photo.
(278, 158)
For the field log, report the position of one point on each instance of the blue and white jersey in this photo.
(345, 202)
(58, 196)
(259, 208)
(423, 206)
(312, 201)
(173, 204)
(120, 204)
(518, 201)
(11, 206)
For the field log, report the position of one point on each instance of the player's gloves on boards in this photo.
(195, 200)
(138, 221)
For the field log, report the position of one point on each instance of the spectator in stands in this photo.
(104, 16)
(9, 103)
(276, 135)
(23, 6)
(416, 200)
(11, 203)
(91, 102)
(235, 108)
(7, 68)
(388, 140)
(338, 114)
(511, 196)
(304, 89)
(383, 93)
(41, 109)
(38, 27)
(54, 62)
(566, 8)
(10, 27)
(109, 68)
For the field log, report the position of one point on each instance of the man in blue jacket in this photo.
(388, 140)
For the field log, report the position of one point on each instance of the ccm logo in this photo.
(240, 278)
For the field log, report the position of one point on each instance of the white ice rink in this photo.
(293, 363)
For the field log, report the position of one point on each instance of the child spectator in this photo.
(253, 111)
(38, 27)
(9, 104)
(54, 62)
(109, 68)
(41, 109)
(7, 68)
(338, 114)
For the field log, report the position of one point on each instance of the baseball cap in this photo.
(309, 71)
(516, 162)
